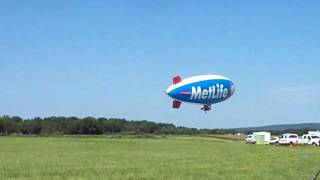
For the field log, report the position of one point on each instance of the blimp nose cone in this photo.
(233, 88)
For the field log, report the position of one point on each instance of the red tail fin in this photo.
(176, 79)
(176, 104)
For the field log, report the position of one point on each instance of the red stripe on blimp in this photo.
(185, 92)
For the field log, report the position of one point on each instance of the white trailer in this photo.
(266, 136)
(316, 133)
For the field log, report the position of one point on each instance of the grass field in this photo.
(151, 158)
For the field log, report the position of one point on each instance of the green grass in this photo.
(151, 158)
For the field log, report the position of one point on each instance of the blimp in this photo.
(201, 89)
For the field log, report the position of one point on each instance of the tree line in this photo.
(93, 126)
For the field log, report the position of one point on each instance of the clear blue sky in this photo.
(114, 59)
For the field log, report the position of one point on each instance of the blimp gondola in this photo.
(202, 89)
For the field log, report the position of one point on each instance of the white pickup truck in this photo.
(310, 139)
(289, 139)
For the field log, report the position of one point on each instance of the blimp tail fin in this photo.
(176, 104)
(176, 79)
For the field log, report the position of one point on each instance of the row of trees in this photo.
(90, 125)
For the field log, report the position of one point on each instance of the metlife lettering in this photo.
(212, 92)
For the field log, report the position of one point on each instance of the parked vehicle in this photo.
(274, 141)
(317, 133)
(289, 139)
(258, 138)
(310, 139)
(262, 137)
(250, 139)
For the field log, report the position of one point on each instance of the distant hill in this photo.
(280, 127)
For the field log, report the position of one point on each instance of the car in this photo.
(289, 139)
(250, 139)
(274, 141)
(258, 138)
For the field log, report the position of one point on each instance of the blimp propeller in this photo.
(202, 89)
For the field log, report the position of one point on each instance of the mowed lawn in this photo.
(151, 158)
